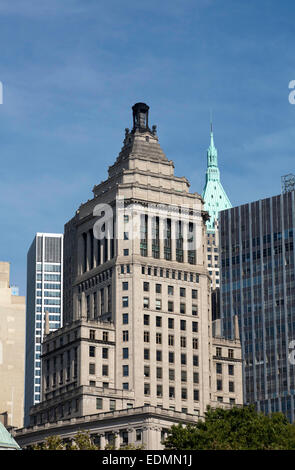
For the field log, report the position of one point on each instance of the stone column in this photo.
(102, 441)
(161, 237)
(116, 440)
(131, 436)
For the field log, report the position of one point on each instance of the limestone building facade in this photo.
(137, 336)
(12, 351)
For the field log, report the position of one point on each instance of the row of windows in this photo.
(219, 386)
(158, 305)
(159, 391)
(219, 369)
(49, 286)
(48, 277)
(173, 274)
(170, 289)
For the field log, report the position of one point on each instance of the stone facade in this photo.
(12, 351)
(137, 306)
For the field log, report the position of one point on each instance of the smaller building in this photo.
(12, 351)
(6, 440)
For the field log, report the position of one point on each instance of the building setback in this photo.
(257, 285)
(44, 294)
(137, 340)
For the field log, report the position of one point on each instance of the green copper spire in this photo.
(213, 193)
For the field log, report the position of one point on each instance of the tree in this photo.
(234, 429)
(81, 441)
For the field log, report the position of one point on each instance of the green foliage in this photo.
(81, 441)
(234, 429)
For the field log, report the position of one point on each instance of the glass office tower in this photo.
(258, 284)
(44, 294)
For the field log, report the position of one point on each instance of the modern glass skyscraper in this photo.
(44, 294)
(258, 285)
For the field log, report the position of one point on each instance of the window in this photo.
(146, 302)
(146, 336)
(105, 370)
(125, 386)
(91, 351)
(184, 394)
(125, 319)
(125, 302)
(146, 354)
(146, 320)
(182, 291)
(171, 323)
(195, 327)
(195, 361)
(183, 342)
(125, 285)
(146, 286)
(126, 252)
(159, 373)
(171, 374)
(170, 306)
(219, 384)
(183, 359)
(158, 322)
(138, 434)
(159, 391)
(170, 340)
(105, 336)
(171, 357)
(183, 376)
(147, 389)
(158, 304)
(125, 353)
(171, 392)
(170, 290)
(230, 369)
(218, 368)
(146, 371)
(231, 386)
(183, 325)
(91, 334)
(194, 310)
(196, 377)
(158, 288)
(125, 335)
(195, 343)
(112, 405)
(196, 395)
(158, 338)
(125, 370)
(218, 352)
(105, 353)
(99, 403)
(231, 353)
(182, 308)
(91, 368)
(126, 236)
(159, 355)
(232, 401)
(194, 294)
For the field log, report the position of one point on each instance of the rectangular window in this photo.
(146, 336)
(99, 403)
(230, 369)
(158, 322)
(182, 308)
(146, 286)
(170, 306)
(231, 387)
(125, 335)
(183, 342)
(146, 354)
(183, 325)
(147, 389)
(125, 285)
(105, 353)
(196, 395)
(146, 302)
(183, 359)
(218, 368)
(195, 361)
(219, 384)
(182, 292)
(158, 288)
(171, 357)
(170, 290)
(159, 355)
(159, 373)
(125, 353)
(195, 327)
(194, 310)
(105, 370)
(91, 351)
(91, 368)
(158, 338)
(158, 304)
(146, 320)
(171, 374)
(125, 318)
(194, 294)
(125, 370)
(171, 323)
(125, 302)
(170, 340)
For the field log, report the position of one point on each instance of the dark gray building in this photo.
(258, 285)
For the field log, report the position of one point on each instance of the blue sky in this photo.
(72, 69)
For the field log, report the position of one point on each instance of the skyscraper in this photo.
(44, 293)
(258, 285)
(216, 200)
(136, 353)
